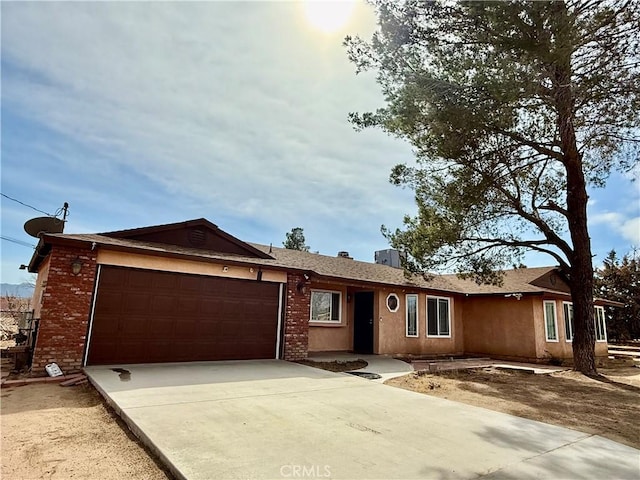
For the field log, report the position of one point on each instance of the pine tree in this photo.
(513, 109)
(295, 240)
(619, 280)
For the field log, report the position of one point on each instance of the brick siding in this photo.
(296, 329)
(64, 316)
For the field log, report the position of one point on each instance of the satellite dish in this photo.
(39, 225)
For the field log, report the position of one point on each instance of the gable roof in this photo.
(198, 233)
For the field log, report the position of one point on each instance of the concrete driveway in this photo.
(274, 419)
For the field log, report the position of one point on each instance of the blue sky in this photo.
(146, 113)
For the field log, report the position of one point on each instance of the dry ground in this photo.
(49, 431)
(609, 407)
(336, 365)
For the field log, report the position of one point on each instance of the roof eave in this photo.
(227, 260)
(373, 283)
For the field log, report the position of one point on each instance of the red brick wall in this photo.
(65, 310)
(296, 327)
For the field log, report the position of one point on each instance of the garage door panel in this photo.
(208, 329)
(189, 305)
(191, 284)
(145, 316)
(159, 351)
(109, 302)
(109, 323)
(166, 281)
(114, 279)
(135, 302)
(159, 328)
(132, 325)
(164, 303)
(139, 279)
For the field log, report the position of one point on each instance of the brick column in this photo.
(66, 305)
(296, 327)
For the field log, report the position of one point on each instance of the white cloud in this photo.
(630, 230)
(612, 218)
(239, 109)
(627, 228)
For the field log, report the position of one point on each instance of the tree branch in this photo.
(536, 146)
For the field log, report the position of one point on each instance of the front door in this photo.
(363, 322)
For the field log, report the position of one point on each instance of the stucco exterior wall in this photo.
(126, 259)
(501, 327)
(389, 330)
(325, 337)
(392, 339)
(561, 349)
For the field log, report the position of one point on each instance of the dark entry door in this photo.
(363, 322)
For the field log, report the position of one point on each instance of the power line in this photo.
(19, 242)
(26, 205)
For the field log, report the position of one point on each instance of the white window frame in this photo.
(567, 321)
(386, 302)
(555, 320)
(449, 302)
(406, 315)
(604, 323)
(326, 322)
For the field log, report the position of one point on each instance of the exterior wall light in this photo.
(76, 266)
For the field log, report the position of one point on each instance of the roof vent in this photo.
(197, 237)
(344, 254)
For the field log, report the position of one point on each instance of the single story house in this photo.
(191, 292)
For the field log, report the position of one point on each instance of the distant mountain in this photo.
(19, 290)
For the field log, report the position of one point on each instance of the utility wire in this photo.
(19, 242)
(22, 203)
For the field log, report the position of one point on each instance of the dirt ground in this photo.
(336, 365)
(609, 407)
(55, 432)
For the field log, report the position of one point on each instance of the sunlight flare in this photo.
(328, 16)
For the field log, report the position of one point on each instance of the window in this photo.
(601, 329)
(438, 317)
(393, 303)
(599, 319)
(325, 306)
(550, 321)
(568, 320)
(412, 315)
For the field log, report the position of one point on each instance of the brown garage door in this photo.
(146, 316)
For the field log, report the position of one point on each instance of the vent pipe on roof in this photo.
(343, 254)
(389, 257)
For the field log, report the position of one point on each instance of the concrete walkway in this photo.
(274, 419)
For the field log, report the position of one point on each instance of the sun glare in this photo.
(328, 15)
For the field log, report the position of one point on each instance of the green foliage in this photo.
(295, 240)
(619, 280)
(505, 103)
